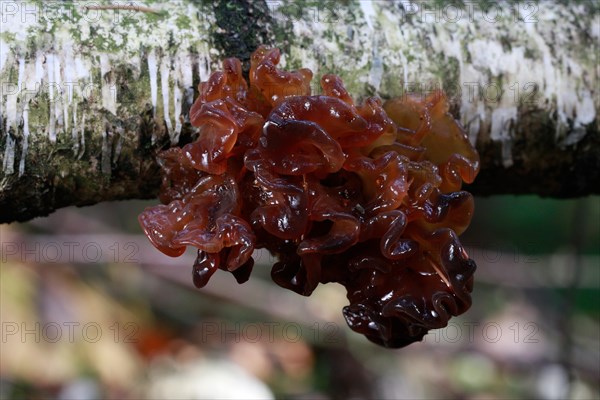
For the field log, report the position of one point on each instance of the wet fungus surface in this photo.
(364, 195)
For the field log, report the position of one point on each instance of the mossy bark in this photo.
(89, 95)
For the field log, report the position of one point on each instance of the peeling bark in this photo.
(90, 95)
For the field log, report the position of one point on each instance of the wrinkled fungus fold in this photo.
(364, 195)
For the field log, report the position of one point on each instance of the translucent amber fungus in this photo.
(365, 195)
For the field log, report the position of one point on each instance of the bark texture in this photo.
(91, 91)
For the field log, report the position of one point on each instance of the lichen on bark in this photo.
(101, 92)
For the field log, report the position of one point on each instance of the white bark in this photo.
(83, 83)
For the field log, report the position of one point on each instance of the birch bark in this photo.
(92, 90)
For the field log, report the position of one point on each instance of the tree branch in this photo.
(91, 94)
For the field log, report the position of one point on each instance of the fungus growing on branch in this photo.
(364, 195)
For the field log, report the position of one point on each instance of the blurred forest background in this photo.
(89, 309)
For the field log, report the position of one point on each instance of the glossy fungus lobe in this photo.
(365, 195)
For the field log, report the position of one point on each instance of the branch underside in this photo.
(89, 100)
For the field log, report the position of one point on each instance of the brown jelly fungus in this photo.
(365, 195)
